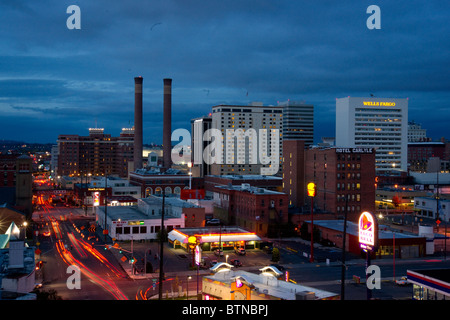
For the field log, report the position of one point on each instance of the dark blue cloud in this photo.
(216, 52)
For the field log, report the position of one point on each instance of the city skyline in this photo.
(60, 81)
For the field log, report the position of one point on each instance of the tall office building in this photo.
(298, 121)
(96, 154)
(416, 133)
(199, 126)
(380, 123)
(228, 118)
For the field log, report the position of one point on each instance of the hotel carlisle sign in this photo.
(354, 150)
(368, 231)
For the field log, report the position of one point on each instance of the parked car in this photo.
(213, 222)
(240, 251)
(218, 252)
(236, 263)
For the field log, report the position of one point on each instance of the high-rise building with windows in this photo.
(228, 118)
(96, 154)
(298, 121)
(380, 123)
(416, 133)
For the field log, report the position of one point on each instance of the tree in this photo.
(275, 255)
(51, 294)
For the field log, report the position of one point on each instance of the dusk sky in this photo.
(54, 80)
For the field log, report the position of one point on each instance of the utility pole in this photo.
(161, 273)
(343, 251)
(105, 230)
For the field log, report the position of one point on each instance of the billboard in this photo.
(96, 199)
(368, 231)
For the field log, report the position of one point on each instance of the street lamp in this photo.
(25, 224)
(312, 193)
(190, 174)
(187, 289)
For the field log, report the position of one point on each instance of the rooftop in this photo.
(266, 283)
(158, 171)
(384, 232)
(246, 177)
(247, 188)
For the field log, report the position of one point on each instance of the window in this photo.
(119, 230)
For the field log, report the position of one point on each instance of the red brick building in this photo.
(340, 174)
(420, 152)
(294, 171)
(258, 210)
(97, 154)
(16, 182)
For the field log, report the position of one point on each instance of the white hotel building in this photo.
(380, 123)
(254, 116)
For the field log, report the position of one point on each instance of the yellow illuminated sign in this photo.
(379, 103)
(311, 189)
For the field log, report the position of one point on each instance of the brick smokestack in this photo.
(138, 132)
(167, 124)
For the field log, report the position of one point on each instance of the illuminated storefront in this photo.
(229, 284)
(211, 238)
(433, 284)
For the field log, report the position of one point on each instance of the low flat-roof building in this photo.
(407, 245)
(211, 238)
(431, 284)
(143, 221)
(17, 265)
(227, 284)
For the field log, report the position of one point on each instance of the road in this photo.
(104, 278)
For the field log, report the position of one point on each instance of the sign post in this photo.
(311, 187)
(368, 238)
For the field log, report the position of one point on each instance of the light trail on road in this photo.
(69, 259)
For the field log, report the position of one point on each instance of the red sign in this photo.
(187, 194)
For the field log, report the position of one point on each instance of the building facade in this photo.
(416, 133)
(154, 181)
(294, 171)
(228, 118)
(344, 177)
(143, 222)
(258, 210)
(298, 121)
(420, 153)
(379, 123)
(199, 127)
(96, 154)
(16, 182)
